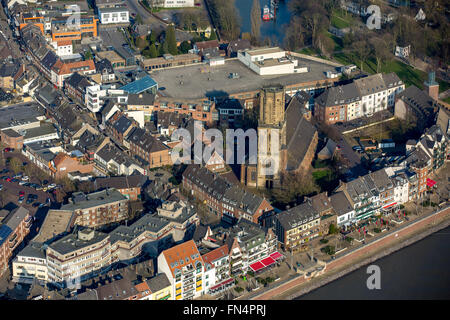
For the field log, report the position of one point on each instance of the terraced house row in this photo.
(362, 97)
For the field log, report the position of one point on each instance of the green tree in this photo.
(141, 43)
(153, 53)
(185, 46)
(138, 19)
(213, 35)
(333, 229)
(163, 48)
(151, 38)
(88, 55)
(171, 40)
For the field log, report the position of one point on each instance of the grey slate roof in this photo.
(297, 215)
(340, 203)
(158, 282)
(339, 95)
(219, 188)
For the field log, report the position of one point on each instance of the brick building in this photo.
(11, 139)
(97, 208)
(149, 150)
(222, 198)
(13, 229)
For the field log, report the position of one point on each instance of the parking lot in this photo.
(31, 188)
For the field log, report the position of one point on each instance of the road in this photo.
(353, 159)
(147, 17)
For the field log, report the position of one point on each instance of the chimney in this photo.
(431, 86)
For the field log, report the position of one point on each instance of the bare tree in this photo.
(256, 20)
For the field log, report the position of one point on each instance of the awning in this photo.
(276, 255)
(390, 205)
(256, 266)
(224, 283)
(267, 261)
(430, 182)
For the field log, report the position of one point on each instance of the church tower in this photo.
(271, 124)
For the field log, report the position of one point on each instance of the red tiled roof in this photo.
(215, 254)
(175, 255)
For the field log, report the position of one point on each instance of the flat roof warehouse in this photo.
(200, 81)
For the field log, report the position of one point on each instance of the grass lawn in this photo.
(409, 75)
(341, 20)
(319, 174)
(447, 100)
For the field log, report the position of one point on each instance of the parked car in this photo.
(21, 199)
(18, 175)
(8, 150)
(25, 178)
(357, 148)
(22, 183)
(36, 204)
(38, 188)
(15, 180)
(30, 200)
(21, 193)
(8, 179)
(1, 187)
(52, 185)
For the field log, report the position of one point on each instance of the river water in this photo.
(419, 271)
(274, 29)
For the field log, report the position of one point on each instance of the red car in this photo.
(7, 150)
(8, 179)
(21, 193)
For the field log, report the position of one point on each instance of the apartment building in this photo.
(149, 150)
(343, 208)
(322, 204)
(29, 264)
(97, 208)
(363, 195)
(151, 231)
(77, 257)
(110, 160)
(338, 104)
(61, 70)
(378, 92)
(75, 86)
(13, 229)
(251, 248)
(184, 267)
(217, 264)
(298, 225)
(362, 97)
(226, 200)
(435, 144)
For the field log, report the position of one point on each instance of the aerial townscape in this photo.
(331, 126)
